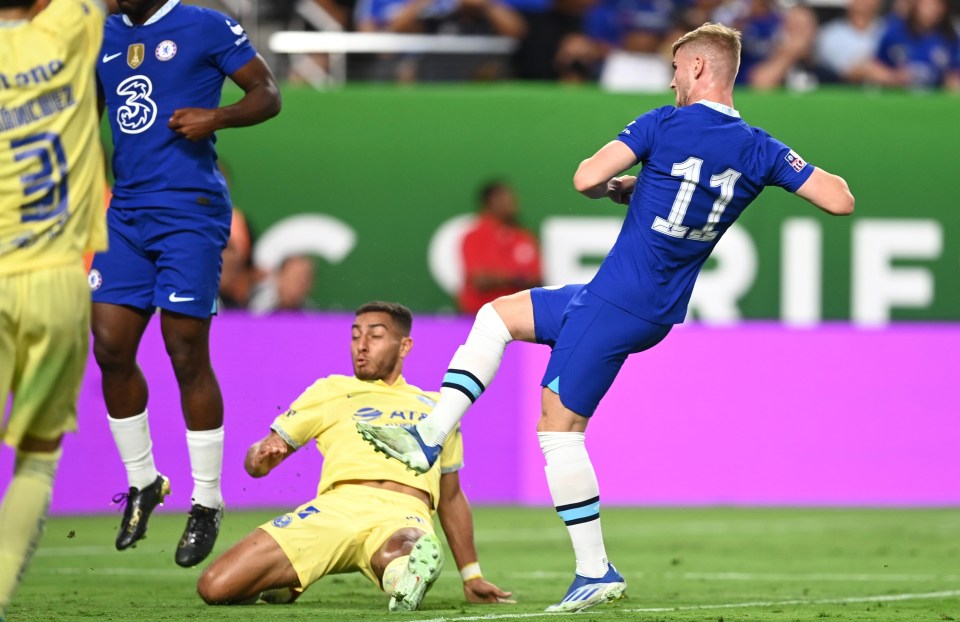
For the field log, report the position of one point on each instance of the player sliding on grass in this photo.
(370, 515)
(701, 167)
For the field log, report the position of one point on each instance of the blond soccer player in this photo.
(51, 213)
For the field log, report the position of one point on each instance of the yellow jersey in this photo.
(327, 412)
(51, 161)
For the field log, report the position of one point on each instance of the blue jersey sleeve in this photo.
(786, 168)
(639, 135)
(228, 46)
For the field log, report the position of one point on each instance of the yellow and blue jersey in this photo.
(327, 412)
(179, 58)
(51, 161)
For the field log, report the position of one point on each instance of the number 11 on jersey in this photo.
(689, 169)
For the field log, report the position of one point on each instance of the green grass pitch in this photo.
(681, 564)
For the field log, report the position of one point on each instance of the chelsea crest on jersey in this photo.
(178, 59)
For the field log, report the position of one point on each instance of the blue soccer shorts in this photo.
(161, 257)
(590, 339)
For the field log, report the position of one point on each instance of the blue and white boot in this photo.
(585, 592)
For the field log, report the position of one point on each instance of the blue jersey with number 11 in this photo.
(178, 59)
(702, 166)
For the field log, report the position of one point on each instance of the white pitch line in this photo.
(813, 576)
(153, 572)
(824, 577)
(94, 549)
(818, 601)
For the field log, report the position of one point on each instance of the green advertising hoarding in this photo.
(377, 182)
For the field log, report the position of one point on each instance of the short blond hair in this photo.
(716, 41)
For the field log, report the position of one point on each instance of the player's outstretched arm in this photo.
(457, 522)
(828, 192)
(261, 101)
(594, 174)
(266, 454)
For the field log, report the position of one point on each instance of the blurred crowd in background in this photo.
(625, 44)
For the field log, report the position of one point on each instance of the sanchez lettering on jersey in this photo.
(44, 105)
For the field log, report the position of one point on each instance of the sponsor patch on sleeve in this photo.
(794, 159)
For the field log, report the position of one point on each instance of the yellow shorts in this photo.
(340, 530)
(44, 341)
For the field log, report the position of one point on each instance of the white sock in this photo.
(132, 436)
(206, 462)
(576, 495)
(472, 368)
(393, 572)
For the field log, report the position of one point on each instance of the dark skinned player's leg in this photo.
(187, 339)
(117, 331)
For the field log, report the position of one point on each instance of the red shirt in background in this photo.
(492, 248)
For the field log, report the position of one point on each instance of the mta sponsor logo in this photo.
(282, 521)
(367, 414)
(408, 415)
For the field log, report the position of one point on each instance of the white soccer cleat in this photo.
(401, 443)
(585, 592)
(423, 568)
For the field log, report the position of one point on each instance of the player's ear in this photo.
(698, 63)
(406, 344)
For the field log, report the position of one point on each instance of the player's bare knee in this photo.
(189, 361)
(397, 545)
(212, 586)
(516, 313)
(113, 355)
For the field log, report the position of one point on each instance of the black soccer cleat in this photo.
(200, 535)
(139, 505)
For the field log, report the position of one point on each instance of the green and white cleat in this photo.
(423, 568)
(401, 443)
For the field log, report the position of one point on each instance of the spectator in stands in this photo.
(759, 21)
(287, 288)
(791, 61)
(499, 256)
(452, 17)
(238, 274)
(921, 51)
(847, 45)
(630, 34)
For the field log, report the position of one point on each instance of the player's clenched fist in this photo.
(620, 189)
(194, 123)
